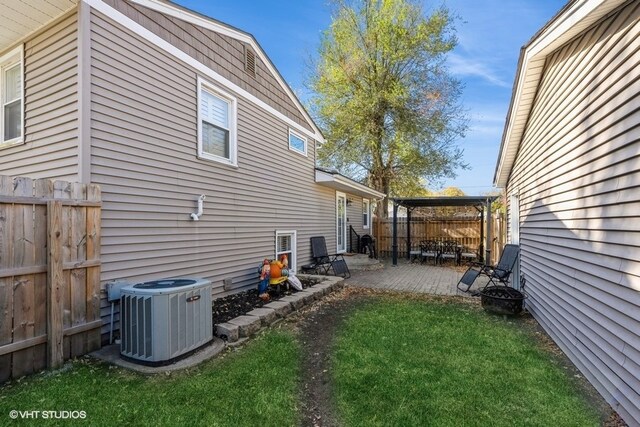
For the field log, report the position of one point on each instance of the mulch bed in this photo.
(231, 306)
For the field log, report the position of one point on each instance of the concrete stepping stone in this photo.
(308, 296)
(296, 300)
(248, 325)
(266, 315)
(231, 332)
(281, 308)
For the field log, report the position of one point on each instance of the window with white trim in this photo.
(216, 124)
(11, 97)
(297, 142)
(286, 245)
(366, 213)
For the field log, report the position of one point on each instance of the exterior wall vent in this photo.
(165, 319)
(249, 61)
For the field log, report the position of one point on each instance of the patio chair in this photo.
(449, 251)
(468, 254)
(497, 275)
(430, 249)
(325, 262)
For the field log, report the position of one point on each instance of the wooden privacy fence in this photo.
(49, 273)
(465, 232)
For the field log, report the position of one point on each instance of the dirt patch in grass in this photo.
(317, 327)
(317, 332)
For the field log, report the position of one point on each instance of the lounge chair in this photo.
(325, 262)
(498, 274)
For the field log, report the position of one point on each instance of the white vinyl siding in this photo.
(297, 142)
(144, 134)
(216, 124)
(286, 245)
(48, 146)
(11, 97)
(366, 214)
(577, 175)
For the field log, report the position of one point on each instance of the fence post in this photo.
(394, 246)
(55, 281)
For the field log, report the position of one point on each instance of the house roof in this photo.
(188, 15)
(334, 179)
(574, 18)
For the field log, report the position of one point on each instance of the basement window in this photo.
(11, 98)
(286, 245)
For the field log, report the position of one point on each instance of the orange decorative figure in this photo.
(276, 269)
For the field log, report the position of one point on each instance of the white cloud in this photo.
(468, 67)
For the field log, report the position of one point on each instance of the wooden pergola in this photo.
(410, 203)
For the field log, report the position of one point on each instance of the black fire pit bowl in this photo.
(501, 300)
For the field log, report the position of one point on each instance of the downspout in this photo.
(84, 93)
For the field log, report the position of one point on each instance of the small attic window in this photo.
(249, 61)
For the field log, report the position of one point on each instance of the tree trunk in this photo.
(381, 183)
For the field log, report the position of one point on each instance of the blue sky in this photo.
(490, 34)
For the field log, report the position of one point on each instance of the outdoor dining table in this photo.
(439, 249)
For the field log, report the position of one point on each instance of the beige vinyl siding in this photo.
(221, 53)
(144, 147)
(578, 177)
(51, 106)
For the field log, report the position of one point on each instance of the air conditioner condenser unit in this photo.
(162, 320)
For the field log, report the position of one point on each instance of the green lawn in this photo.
(412, 363)
(243, 389)
(398, 362)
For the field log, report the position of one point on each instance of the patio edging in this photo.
(249, 324)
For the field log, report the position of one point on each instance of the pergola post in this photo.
(489, 241)
(482, 233)
(394, 245)
(408, 234)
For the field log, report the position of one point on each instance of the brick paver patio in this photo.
(411, 277)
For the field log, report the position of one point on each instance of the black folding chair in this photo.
(325, 262)
(498, 274)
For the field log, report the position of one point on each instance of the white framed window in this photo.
(12, 97)
(217, 122)
(297, 142)
(286, 245)
(341, 222)
(366, 213)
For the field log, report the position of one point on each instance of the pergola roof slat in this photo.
(424, 202)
